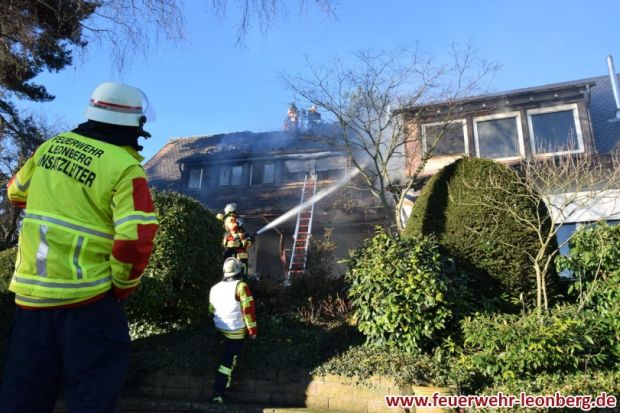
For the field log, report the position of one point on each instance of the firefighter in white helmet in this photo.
(85, 240)
(234, 314)
(236, 239)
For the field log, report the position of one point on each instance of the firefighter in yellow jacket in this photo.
(236, 239)
(85, 240)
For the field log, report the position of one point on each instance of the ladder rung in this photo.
(302, 230)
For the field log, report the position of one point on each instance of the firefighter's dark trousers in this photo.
(85, 349)
(223, 377)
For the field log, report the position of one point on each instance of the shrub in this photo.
(7, 299)
(594, 254)
(591, 383)
(7, 266)
(186, 262)
(490, 245)
(398, 290)
(363, 362)
(502, 348)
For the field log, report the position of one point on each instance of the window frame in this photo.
(552, 109)
(189, 178)
(499, 116)
(463, 122)
(230, 167)
(254, 167)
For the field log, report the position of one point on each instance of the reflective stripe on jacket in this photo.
(245, 301)
(89, 222)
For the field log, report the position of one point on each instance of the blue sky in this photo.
(208, 85)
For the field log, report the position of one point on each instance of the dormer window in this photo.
(499, 136)
(195, 178)
(555, 130)
(263, 173)
(230, 175)
(450, 138)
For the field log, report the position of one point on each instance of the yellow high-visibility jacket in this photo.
(89, 222)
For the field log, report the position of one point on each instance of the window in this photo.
(263, 173)
(499, 136)
(195, 178)
(451, 137)
(231, 175)
(295, 170)
(331, 167)
(562, 235)
(555, 130)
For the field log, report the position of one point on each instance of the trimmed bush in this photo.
(490, 245)
(398, 290)
(186, 262)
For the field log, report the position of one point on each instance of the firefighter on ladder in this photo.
(236, 239)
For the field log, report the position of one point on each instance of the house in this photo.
(555, 120)
(264, 173)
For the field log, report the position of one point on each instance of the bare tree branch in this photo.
(366, 98)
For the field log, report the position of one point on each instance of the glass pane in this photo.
(295, 166)
(563, 234)
(269, 173)
(451, 142)
(237, 171)
(331, 163)
(555, 132)
(225, 175)
(295, 170)
(498, 138)
(195, 175)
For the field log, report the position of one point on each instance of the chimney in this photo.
(614, 87)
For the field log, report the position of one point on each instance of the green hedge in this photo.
(7, 299)
(594, 253)
(399, 291)
(362, 362)
(503, 348)
(7, 266)
(488, 244)
(186, 262)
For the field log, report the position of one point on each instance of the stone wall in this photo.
(289, 389)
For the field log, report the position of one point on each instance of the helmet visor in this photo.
(147, 108)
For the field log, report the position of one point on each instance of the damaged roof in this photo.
(164, 171)
(164, 168)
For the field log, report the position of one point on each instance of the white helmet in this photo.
(119, 104)
(230, 208)
(232, 267)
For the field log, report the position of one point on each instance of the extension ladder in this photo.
(303, 231)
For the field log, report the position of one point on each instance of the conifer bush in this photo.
(489, 244)
(399, 292)
(185, 263)
(7, 299)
